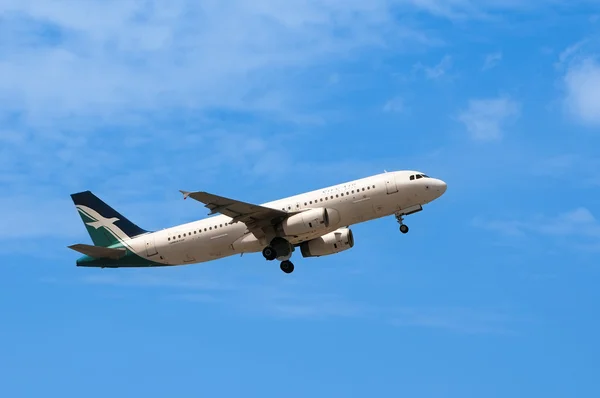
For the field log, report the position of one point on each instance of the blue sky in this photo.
(493, 292)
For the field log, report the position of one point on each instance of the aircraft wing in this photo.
(254, 216)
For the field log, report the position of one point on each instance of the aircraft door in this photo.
(150, 247)
(390, 183)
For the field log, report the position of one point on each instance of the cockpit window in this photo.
(412, 177)
(419, 176)
(425, 176)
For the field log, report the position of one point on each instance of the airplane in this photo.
(316, 222)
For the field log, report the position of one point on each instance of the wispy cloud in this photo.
(459, 320)
(299, 301)
(486, 9)
(84, 83)
(491, 60)
(152, 280)
(485, 119)
(315, 306)
(580, 74)
(582, 85)
(394, 105)
(438, 70)
(564, 165)
(134, 55)
(578, 223)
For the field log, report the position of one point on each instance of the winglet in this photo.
(185, 194)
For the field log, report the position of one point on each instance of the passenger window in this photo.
(168, 238)
(179, 236)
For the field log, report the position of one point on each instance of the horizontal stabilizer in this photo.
(99, 251)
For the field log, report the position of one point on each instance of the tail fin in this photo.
(105, 225)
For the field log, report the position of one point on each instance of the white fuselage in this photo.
(355, 202)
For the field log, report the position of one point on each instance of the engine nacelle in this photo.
(307, 222)
(331, 243)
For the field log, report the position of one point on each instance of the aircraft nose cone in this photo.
(441, 187)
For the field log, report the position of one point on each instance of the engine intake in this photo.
(331, 243)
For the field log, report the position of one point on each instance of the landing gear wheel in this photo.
(287, 267)
(403, 228)
(269, 253)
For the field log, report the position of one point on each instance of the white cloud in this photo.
(112, 58)
(491, 60)
(582, 85)
(485, 118)
(82, 83)
(580, 71)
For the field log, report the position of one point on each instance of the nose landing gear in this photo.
(400, 219)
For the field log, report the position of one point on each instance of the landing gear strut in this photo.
(400, 219)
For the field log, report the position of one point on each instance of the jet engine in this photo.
(331, 243)
(308, 221)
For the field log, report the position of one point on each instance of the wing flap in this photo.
(99, 251)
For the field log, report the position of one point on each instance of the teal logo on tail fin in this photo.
(104, 224)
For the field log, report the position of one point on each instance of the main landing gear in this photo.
(400, 219)
(269, 253)
(282, 249)
(287, 266)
